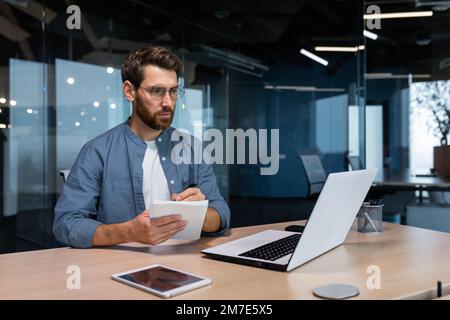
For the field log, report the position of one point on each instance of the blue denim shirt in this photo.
(105, 184)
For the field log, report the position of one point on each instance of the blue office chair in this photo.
(354, 162)
(315, 174)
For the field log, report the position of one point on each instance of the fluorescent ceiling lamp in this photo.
(393, 15)
(314, 57)
(376, 76)
(243, 70)
(445, 63)
(339, 49)
(370, 35)
(336, 49)
(303, 88)
(234, 58)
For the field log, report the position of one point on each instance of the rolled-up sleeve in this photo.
(207, 183)
(74, 221)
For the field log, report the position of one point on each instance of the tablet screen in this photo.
(160, 278)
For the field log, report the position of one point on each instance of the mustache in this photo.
(165, 110)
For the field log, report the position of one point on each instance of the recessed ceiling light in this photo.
(13, 103)
(110, 70)
(29, 111)
(96, 104)
(77, 124)
(113, 106)
(2, 100)
(70, 80)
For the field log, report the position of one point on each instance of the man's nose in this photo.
(167, 100)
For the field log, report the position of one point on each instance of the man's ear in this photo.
(128, 91)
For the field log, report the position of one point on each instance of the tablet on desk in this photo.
(160, 280)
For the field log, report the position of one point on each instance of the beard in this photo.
(154, 120)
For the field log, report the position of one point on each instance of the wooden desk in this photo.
(411, 260)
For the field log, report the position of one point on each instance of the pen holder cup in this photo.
(370, 218)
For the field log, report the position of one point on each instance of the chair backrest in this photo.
(64, 174)
(314, 172)
(355, 162)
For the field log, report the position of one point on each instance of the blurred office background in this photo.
(243, 68)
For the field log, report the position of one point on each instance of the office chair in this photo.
(315, 174)
(64, 174)
(354, 162)
(316, 177)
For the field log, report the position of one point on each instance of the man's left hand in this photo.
(190, 194)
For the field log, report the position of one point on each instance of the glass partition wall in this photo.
(266, 79)
(407, 80)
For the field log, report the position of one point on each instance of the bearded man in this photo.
(116, 176)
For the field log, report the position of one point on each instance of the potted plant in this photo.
(434, 96)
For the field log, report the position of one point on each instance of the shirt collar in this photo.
(162, 139)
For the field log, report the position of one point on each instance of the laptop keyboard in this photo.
(274, 250)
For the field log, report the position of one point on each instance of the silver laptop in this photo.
(327, 227)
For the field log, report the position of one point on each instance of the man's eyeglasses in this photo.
(158, 92)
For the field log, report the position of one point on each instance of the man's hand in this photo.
(212, 218)
(154, 231)
(190, 194)
(140, 229)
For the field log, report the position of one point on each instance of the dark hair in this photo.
(133, 66)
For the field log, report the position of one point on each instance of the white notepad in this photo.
(193, 212)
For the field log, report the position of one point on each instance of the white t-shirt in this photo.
(154, 186)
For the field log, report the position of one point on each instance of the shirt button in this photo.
(172, 182)
(163, 158)
(159, 139)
